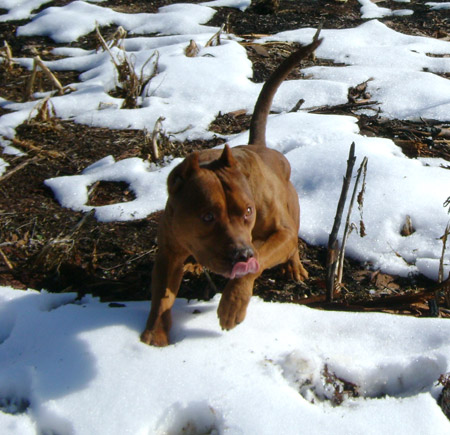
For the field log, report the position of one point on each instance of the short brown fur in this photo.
(235, 211)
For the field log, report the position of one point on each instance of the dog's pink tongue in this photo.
(244, 268)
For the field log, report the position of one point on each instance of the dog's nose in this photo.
(243, 254)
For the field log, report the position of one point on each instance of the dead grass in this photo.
(131, 83)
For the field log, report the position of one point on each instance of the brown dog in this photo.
(235, 211)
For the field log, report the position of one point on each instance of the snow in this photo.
(369, 9)
(78, 367)
(146, 181)
(3, 166)
(436, 6)
(67, 23)
(82, 370)
(19, 9)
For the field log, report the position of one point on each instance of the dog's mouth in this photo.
(243, 268)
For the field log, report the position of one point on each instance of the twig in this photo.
(332, 253)
(144, 81)
(446, 290)
(443, 287)
(19, 167)
(319, 29)
(28, 145)
(444, 238)
(297, 106)
(348, 225)
(379, 304)
(131, 260)
(447, 203)
(6, 260)
(43, 256)
(441, 263)
(316, 37)
(333, 109)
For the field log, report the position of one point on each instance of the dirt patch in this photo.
(43, 245)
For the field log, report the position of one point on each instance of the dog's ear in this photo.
(182, 172)
(227, 159)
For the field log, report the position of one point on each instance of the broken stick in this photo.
(332, 254)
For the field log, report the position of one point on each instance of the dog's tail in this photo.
(264, 102)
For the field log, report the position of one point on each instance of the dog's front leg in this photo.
(235, 298)
(166, 279)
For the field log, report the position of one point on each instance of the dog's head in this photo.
(212, 214)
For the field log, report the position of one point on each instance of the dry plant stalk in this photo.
(39, 65)
(319, 29)
(332, 254)
(434, 303)
(45, 111)
(192, 49)
(215, 39)
(408, 227)
(316, 37)
(155, 141)
(41, 153)
(100, 38)
(447, 203)
(116, 40)
(297, 106)
(133, 84)
(444, 239)
(348, 225)
(157, 133)
(6, 260)
(6, 54)
(447, 291)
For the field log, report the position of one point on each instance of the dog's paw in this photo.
(193, 268)
(293, 269)
(155, 338)
(231, 311)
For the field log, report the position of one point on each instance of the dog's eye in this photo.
(248, 212)
(208, 217)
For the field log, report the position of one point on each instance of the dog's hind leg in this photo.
(293, 268)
